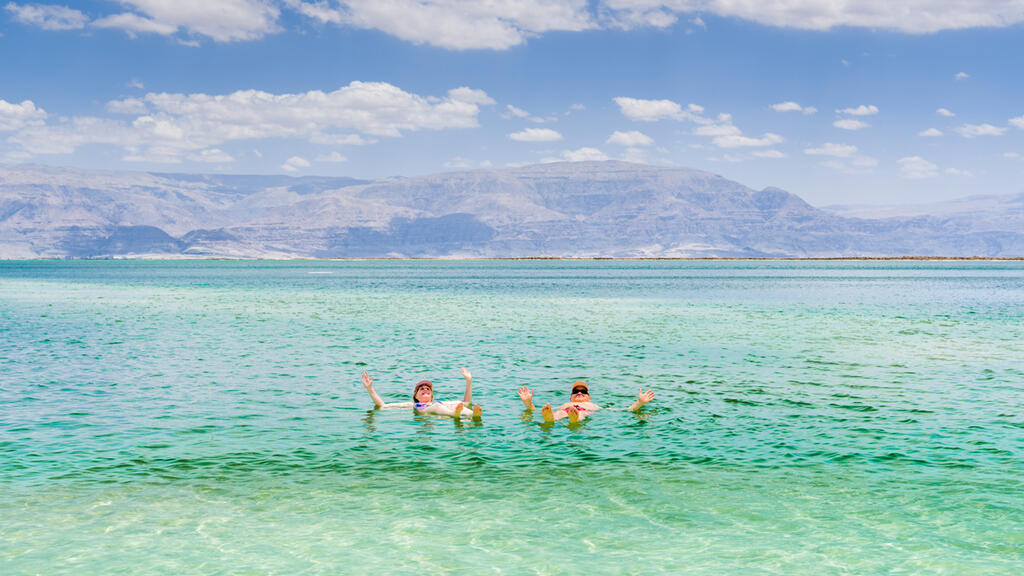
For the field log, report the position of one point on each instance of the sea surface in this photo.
(812, 417)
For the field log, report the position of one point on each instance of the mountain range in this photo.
(569, 209)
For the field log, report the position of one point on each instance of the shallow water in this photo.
(811, 417)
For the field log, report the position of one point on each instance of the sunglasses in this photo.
(580, 391)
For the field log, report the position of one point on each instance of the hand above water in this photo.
(367, 381)
(466, 374)
(526, 395)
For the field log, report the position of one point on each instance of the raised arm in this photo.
(641, 399)
(368, 384)
(526, 395)
(467, 398)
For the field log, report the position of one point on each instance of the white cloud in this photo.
(768, 154)
(1017, 122)
(134, 24)
(850, 124)
(295, 163)
(220, 20)
(958, 172)
(961, 76)
(1011, 155)
(579, 155)
(334, 157)
(791, 106)
(974, 130)
(655, 110)
(831, 149)
(48, 17)
(133, 106)
(517, 112)
(180, 123)
(930, 133)
(212, 156)
(944, 112)
(455, 24)
(632, 138)
(536, 135)
(18, 116)
(514, 112)
(726, 135)
(577, 107)
(861, 110)
(910, 16)
(136, 83)
(917, 168)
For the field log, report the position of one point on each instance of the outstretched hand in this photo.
(367, 381)
(466, 374)
(644, 397)
(526, 395)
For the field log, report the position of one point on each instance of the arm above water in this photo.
(377, 402)
(641, 399)
(526, 395)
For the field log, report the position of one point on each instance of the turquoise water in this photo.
(810, 418)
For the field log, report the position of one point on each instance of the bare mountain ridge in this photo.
(563, 209)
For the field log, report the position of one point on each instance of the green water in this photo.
(810, 418)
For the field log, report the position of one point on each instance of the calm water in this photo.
(810, 418)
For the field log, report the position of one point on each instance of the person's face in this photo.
(424, 394)
(579, 395)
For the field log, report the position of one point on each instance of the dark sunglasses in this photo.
(580, 390)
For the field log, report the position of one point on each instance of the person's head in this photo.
(579, 392)
(423, 392)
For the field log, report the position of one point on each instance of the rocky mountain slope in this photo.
(611, 208)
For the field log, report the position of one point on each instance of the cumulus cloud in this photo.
(134, 24)
(295, 163)
(515, 112)
(944, 112)
(861, 110)
(961, 76)
(930, 133)
(975, 130)
(655, 110)
(1017, 122)
(48, 17)
(790, 106)
(454, 24)
(219, 20)
(18, 116)
(850, 124)
(917, 168)
(335, 157)
(211, 155)
(725, 134)
(632, 138)
(768, 154)
(536, 135)
(584, 155)
(909, 16)
(831, 149)
(178, 123)
(958, 172)
(132, 106)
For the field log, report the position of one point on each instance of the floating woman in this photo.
(579, 405)
(423, 399)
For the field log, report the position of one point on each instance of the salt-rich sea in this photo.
(811, 418)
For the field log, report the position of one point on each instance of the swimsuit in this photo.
(422, 406)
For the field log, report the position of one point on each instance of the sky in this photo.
(839, 102)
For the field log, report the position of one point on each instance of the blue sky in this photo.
(839, 104)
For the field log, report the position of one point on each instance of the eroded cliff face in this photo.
(564, 209)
